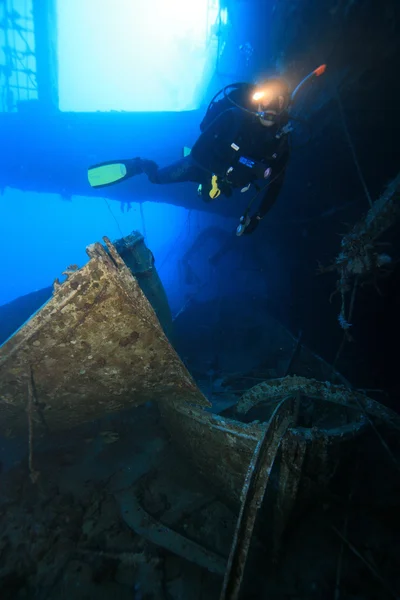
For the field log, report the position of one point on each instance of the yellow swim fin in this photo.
(114, 171)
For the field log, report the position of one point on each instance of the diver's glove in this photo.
(248, 224)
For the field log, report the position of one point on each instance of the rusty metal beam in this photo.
(258, 477)
(134, 515)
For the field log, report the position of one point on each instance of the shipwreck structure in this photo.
(97, 347)
(362, 257)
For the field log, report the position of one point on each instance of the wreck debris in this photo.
(56, 284)
(276, 389)
(360, 256)
(257, 478)
(96, 347)
(373, 569)
(219, 446)
(69, 270)
(307, 455)
(205, 438)
(144, 525)
(141, 263)
(293, 476)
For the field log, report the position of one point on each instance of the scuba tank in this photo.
(223, 100)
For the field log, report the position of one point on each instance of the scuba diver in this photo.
(244, 144)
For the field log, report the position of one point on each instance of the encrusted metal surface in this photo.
(257, 479)
(140, 261)
(276, 389)
(96, 347)
(228, 445)
(220, 448)
(288, 488)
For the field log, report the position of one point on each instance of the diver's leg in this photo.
(137, 166)
(185, 170)
(178, 172)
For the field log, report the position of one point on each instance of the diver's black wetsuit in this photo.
(213, 154)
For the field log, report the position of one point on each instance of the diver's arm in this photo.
(250, 224)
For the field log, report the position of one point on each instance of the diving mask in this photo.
(271, 99)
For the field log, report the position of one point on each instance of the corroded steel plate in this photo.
(96, 347)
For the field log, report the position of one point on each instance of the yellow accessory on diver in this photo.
(215, 191)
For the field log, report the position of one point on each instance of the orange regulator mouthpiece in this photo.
(320, 70)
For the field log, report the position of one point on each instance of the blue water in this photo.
(89, 81)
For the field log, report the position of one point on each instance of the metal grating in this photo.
(17, 54)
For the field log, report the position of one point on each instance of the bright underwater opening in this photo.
(130, 55)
